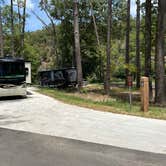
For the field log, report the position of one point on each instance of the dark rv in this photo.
(58, 78)
(12, 77)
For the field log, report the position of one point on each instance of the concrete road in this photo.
(19, 148)
(44, 115)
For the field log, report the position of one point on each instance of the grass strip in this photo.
(112, 105)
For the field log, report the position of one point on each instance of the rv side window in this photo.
(1, 70)
(58, 75)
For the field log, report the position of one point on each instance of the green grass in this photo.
(111, 105)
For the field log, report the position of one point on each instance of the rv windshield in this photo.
(12, 72)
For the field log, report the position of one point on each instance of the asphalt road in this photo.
(18, 148)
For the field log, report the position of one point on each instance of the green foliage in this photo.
(38, 45)
(31, 54)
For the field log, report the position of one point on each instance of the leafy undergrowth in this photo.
(105, 104)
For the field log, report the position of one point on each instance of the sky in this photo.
(33, 24)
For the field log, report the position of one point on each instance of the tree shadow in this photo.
(9, 119)
(12, 98)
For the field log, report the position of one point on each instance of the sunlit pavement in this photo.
(44, 115)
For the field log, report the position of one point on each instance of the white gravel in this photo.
(44, 115)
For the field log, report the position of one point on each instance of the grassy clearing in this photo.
(110, 105)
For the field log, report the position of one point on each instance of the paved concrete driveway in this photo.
(44, 115)
(19, 148)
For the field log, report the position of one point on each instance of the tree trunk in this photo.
(138, 66)
(127, 56)
(19, 15)
(108, 50)
(98, 41)
(77, 45)
(12, 29)
(148, 44)
(54, 35)
(95, 25)
(160, 94)
(1, 35)
(20, 25)
(23, 27)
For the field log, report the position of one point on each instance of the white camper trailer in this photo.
(28, 72)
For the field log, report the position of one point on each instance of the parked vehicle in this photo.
(12, 77)
(58, 78)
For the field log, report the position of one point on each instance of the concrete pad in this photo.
(44, 115)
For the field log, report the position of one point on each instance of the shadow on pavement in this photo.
(8, 120)
(28, 149)
(12, 98)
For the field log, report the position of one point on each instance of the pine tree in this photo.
(138, 65)
(77, 45)
(1, 35)
(160, 91)
(148, 43)
(12, 28)
(108, 51)
(127, 56)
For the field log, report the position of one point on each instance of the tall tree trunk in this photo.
(44, 6)
(54, 36)
(20, 24)
(77, 45)
(160, 94)
(23, 27)
(156, 55)
(1, 35)
(108, 50)
(98, 41)
(95, 25)
(138, 65)
(148, 44)
(19, 15)
(12, 29)
(127, 56)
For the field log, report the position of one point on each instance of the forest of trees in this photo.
(101, 38)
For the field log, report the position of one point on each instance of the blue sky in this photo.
(33, 24)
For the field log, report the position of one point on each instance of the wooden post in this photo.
(144, 94)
